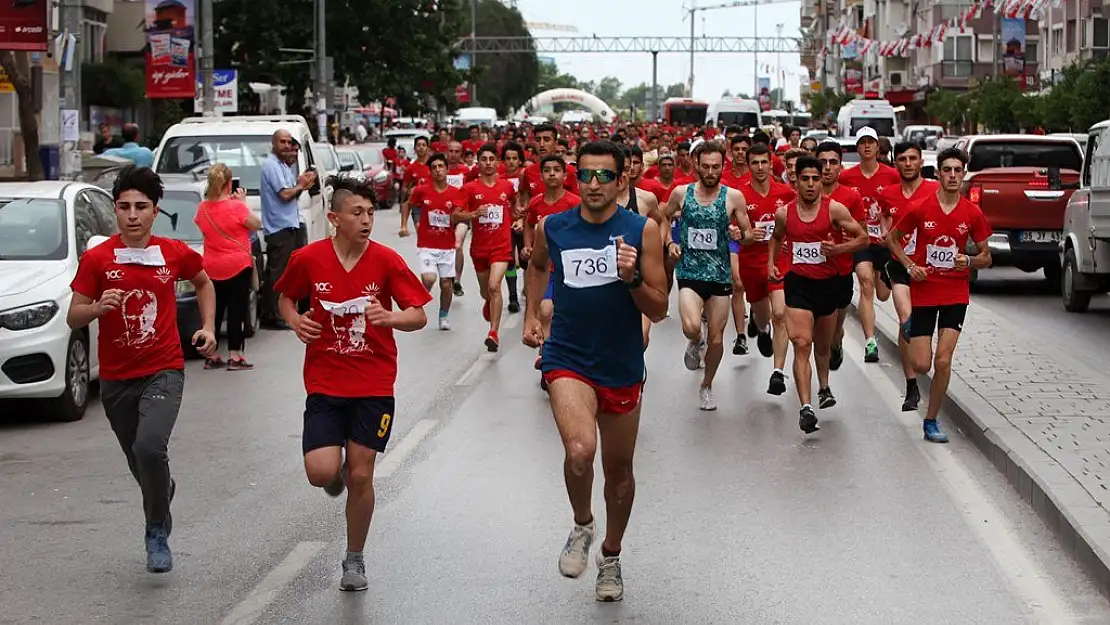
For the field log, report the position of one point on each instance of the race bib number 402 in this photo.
(702, 238)
(940, 257)
(494, 214)
(586, 268)
(808, 253)
(439, 219)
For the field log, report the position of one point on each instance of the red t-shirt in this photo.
(417, 174)
(761, 213)
(493, 232)
(473, 145)
(538, 208)
(534, 179)
(224, 257)
(870, 189)
(731, 180)
(892, 201)
(851, 200)
(140, 337)
(439, 146)
(940, 237)
(456, 175)
(351, 358)
(435, 230)
(390, 154)
(806, 258)
(655, 188)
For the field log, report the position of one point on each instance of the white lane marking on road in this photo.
(393, 458)
(993, 529)
(267, 590)
(512, 322)
(476, 368)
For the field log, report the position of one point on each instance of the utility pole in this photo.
(474, 48)
(322, 77)
(207, 58)
(69, 155)
(653, 105)
(778, 68)
(997, 43)
(755, 55)
(690, 83)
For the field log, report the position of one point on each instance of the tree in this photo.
(992, 104)
(113, 83)
(947, 107)
(504, 81)
(18, 67)
(551, 78)
(827, 102)
(609, 90)
(635, 97)
(676, 90)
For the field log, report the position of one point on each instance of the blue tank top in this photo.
(704, 239)
(595, 331)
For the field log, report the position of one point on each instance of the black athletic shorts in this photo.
(844, 293)
(820, 297)
(877, 255)
(332, 421)
(895, 273)
(705, 290)
(925, 319)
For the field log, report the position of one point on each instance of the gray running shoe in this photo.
(354, 576)
(576, 553)
(692, 357)
(610, 584)
(336, 488)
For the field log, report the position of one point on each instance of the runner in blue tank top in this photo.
(608, 269)
(712, 214)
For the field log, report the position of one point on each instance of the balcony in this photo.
(958, 74)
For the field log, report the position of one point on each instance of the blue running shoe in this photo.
(933, 433)
(158, 556)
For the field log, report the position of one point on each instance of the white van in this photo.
(734, 112)
(878, 114)
(481, 116)
(242, 143)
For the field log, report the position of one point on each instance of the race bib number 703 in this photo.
(586, 268)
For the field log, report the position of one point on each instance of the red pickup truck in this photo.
(1023, 183)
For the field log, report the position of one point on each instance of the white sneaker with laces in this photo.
(610, 583)
(692, 357)
(444, 323)
(576, 553)
(705, 398)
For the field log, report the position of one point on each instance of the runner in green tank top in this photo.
(711, 215)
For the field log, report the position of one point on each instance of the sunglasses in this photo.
(604, 176)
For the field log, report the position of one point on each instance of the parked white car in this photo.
(45, 227)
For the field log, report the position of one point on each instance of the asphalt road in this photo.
(739, 518)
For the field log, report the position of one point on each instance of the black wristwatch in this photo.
(637, 281)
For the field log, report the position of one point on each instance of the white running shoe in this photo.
(576, 554)
(705, 397)
(610, 584)
(444, 323)
(692, 357)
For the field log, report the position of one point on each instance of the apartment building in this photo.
(1077, 31)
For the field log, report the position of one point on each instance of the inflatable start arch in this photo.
(589, 101)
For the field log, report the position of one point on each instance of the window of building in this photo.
(950, 9)
(959, 48)
(1058, 40)
(1071, 38)
(1031, 51)
(1100, 33)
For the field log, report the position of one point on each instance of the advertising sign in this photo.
(1013, 51)
(170, 54)
(225, 83)
(462, 92)
(764, 95)
(23, 25)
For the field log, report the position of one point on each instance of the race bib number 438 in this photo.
(586, 268)
(808, 253)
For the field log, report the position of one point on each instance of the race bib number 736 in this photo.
(586, 268)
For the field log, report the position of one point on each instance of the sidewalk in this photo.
(1043, 419)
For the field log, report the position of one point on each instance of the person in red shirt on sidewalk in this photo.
(491, 207)
(128, 283)
(869, 179)
(435, 234)
(945, 222)
(350, 362)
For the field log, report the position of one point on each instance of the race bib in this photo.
(148, 256)
(702, 238)
(455, 180)
(875, 231)
(439, 219)
(808, 253)
(940, 257)
(516, 183)
(911, 246)
(495, 214)
(768, 229)
(585, 268)
(356, 306)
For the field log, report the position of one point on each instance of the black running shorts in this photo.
(895, 273)
(332, 421)
(705, 290)
(925, 319)
(875, 254)
(819, 296)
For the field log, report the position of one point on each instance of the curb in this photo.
(1080, 524)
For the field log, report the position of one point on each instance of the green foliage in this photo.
(947, 107)
(827, 102)
(117, 84)
(505, 81)
(994, 104)
(551, 78)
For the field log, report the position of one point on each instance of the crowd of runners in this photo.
(602, 225)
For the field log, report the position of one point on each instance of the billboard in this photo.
(225, 83)
(170, 53)
(1013, 50)
(23, 25)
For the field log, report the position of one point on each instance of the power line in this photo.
(555, 45)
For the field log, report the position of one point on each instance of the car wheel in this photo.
(73, 401)
(1074, 300)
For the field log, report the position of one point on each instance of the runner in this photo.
(735, 176)
(945, 223)
(894, 201)
(127, 284)
(416, 174)
(605, 259)
(492, 201)
(811, 285)
(763, 198)
(546, 137)
(639, 201)
(781, 340)
(830, 158)
(435, 239)
(708, 211)
(555, 199)
(869, 178)
(456, 177)
(351, 357)
(511, 169)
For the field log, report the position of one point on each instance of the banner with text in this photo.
(23, 25)
(170, 58)
(225, 83)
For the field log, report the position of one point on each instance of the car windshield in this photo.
(176, 214)
(737, 118)
(370, 155)
(243, 154)
(324, 157)
(33, 229)
(884, 126)
(988, 154)
(347, 157)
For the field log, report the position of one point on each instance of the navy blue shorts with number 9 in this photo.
(332, 421)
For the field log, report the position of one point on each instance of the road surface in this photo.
(739, 518)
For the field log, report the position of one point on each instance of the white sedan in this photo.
(45, 227)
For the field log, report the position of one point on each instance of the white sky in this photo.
(713, 73)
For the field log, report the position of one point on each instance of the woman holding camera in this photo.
(226, 223)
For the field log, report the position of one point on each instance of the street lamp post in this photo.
(778, 68)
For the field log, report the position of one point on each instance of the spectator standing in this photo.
(281, 217)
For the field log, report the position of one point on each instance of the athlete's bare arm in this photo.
(842, 219)
(982, 258)
(777, 238)
(673, 210)
(535, 283)
(738, 212)
(894, 243)
(651, 296)
(649, 206)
